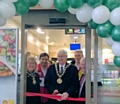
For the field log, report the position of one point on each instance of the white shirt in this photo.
(78, 66)
(44, 71)
(61, 66)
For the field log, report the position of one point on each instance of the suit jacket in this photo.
(35, 88)
(69, 84)
(83, 91)
(73, 62)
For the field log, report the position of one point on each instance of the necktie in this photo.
(61, 70)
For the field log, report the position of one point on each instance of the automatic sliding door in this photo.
(106, 75)
(109, 92)
(88, 65)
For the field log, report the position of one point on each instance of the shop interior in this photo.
(51, 40)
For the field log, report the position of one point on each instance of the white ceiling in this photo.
(57, 36)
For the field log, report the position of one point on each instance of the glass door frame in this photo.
(88, 65)
(72, 20)
(88, 39)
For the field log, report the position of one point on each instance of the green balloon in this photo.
(111, 4)
(104, 30)
(31, 3)
(94, 3)
(92, 24)
(84, 1)
(116, 33)
(117, 61)
(21, 7)
(61, 5)
(75, 3)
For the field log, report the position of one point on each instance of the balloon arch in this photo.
(101, 15)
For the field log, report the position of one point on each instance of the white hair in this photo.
(62, 52)
(82, 60)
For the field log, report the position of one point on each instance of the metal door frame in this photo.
(28, 21)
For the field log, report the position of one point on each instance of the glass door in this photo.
(106, 77)
(109, 92)
(88, 57)
(93, 73)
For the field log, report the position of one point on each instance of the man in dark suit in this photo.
(62, 79)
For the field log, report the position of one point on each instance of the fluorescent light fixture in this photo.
(42, 32)
(75, 37)
(39, 31)
(47, 37)
(52, 43)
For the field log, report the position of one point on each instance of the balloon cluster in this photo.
(101, 15)
(9, 8)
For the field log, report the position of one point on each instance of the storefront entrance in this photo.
(36, 18)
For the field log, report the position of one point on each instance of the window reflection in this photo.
(109, 92)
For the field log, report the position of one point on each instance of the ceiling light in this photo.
(38, 30)
(52, 43)
(47, 37)
(42, 32)
(75, 37)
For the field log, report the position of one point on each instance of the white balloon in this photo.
(72, 10)
(2, 21)
(46, 3)
(100, 14)
(109, 41)
(11, 0)
(116, 48)
(7, 9)
(115, 16)
(84, 14)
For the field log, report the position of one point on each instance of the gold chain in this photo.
(33, 77)
(60, 75)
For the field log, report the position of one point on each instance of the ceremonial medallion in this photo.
(34, 81)
(32, 77)
(59, 80)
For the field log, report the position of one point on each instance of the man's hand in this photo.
(55, 92)
(64, 96)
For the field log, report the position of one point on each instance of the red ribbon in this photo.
(55, 97)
